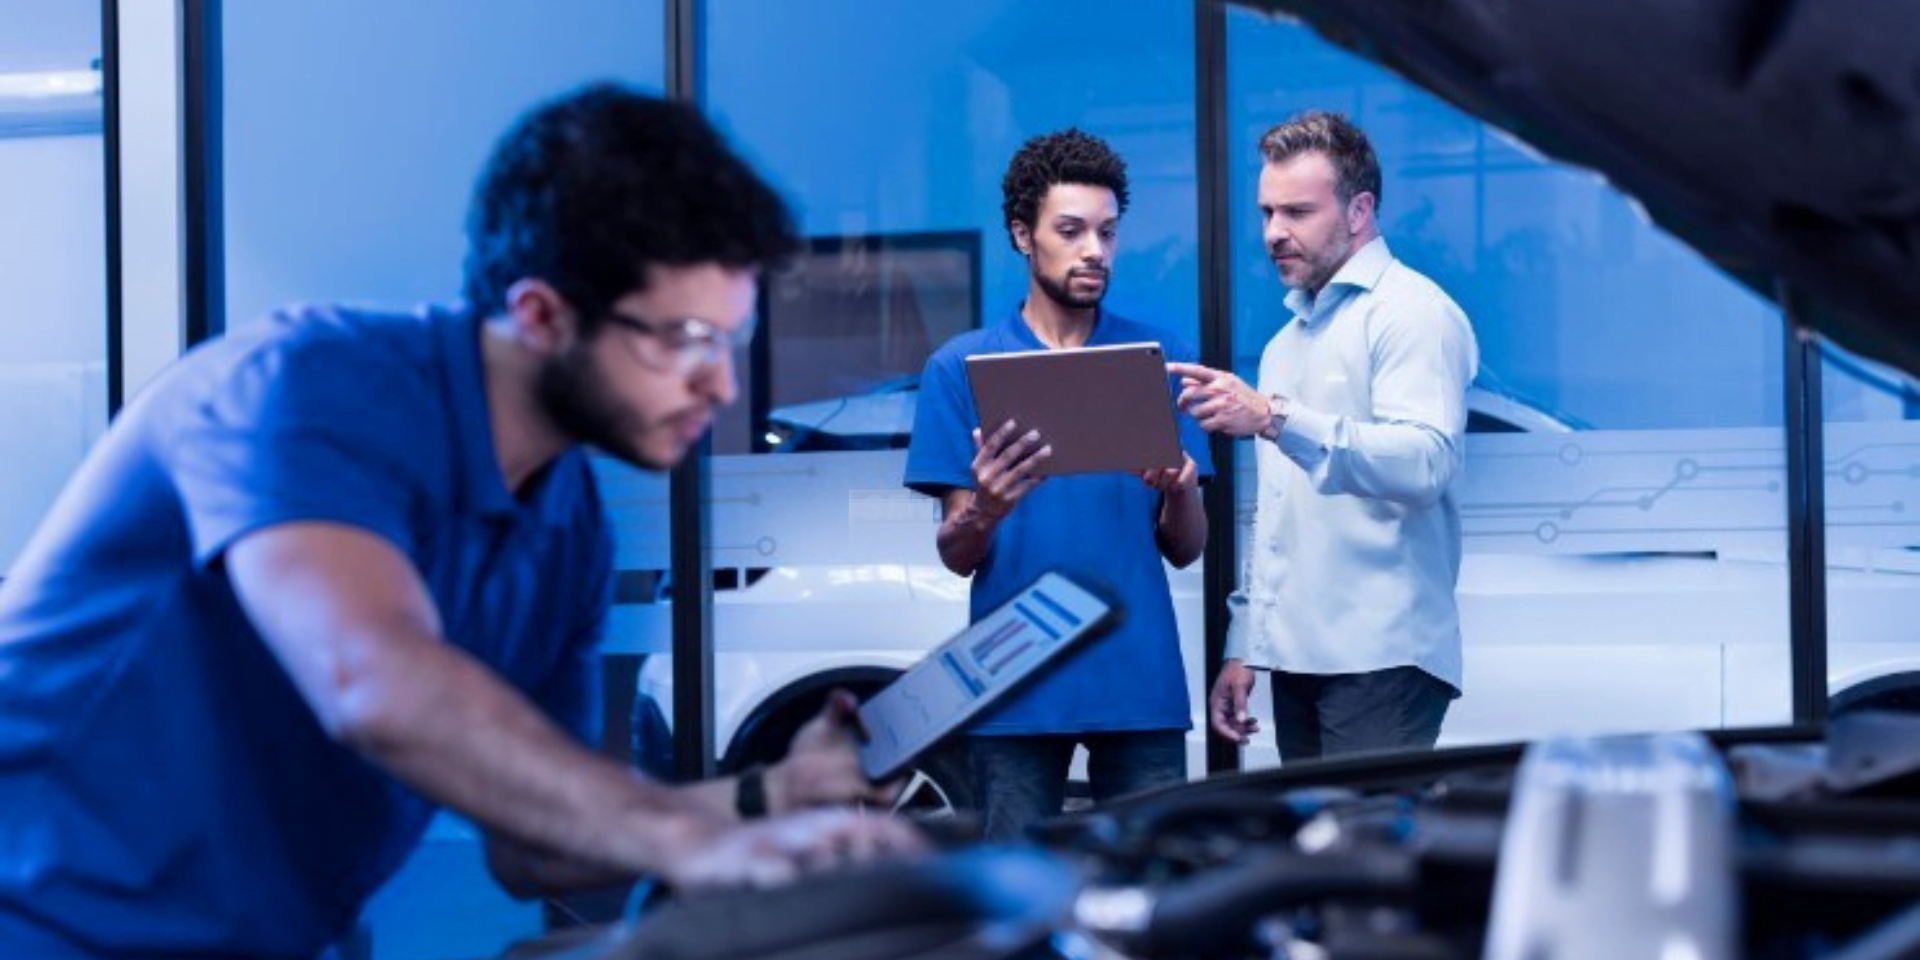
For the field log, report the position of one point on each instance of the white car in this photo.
(1581, 642)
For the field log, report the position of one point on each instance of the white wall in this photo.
(355, 130)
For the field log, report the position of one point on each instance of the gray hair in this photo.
(1356, 170)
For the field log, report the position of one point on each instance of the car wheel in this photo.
(937, 786)
(1894, 691)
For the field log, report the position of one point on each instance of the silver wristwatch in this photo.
(1279, 406)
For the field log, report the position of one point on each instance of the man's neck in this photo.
(1058, 327)
(1360, 241)
(524, 440)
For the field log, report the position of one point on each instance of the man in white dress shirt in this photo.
(1361, 417)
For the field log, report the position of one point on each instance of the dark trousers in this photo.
(1022, 780)
(1328, 714)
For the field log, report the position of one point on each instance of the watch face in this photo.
(1277, 420)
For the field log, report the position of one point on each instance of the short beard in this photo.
(1323, 271)
(574, 397)
(1059, 293)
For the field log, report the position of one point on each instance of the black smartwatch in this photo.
(750, 793)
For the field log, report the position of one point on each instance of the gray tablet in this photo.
(1101, 408)
(966, 674)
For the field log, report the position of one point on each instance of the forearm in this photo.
(526, 873)
(1181, 528)
(441, 723)
(1401, 462)
(965, 536)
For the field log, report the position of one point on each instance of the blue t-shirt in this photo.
(164, 789)
(1100, 525)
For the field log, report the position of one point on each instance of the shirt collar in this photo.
(1024, 336)
(1362, 271)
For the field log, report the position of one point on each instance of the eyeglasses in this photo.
(683, 346)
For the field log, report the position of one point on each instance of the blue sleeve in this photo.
(303, 433)
(1192, 438)
(940, 452)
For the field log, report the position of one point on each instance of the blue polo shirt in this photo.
(1096, 524)
(164, 789)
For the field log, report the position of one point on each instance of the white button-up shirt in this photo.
(1356, 535)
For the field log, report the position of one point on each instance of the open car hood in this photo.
(1780, 138)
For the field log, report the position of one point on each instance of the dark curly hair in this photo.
(1066, 156)
(589, 190)
(1355, 168)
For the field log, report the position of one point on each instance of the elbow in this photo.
(1431, 489)
(1417, 493)
(1437, 479)
(511, 873)
(1415, 482)
(1182, 555)
(956, 564)
(955, 554)
(518, 886)
(361, 712)
(1425, 496)
(361, 725)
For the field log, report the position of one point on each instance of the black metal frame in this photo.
(110, 163)
(691, 567)
(1216, 341)
(203, 172)
(1806, 516)
(689, 509)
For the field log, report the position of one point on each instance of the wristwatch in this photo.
(1278, 405)
(750, 793)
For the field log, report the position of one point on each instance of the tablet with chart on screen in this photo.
(969, 672)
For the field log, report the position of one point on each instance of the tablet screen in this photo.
(964, 675)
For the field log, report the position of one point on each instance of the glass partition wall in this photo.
(353, 134)
(1624, 505)
(889, 126)
(53, 382)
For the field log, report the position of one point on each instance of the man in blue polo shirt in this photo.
(1123, 696)
(340, 567)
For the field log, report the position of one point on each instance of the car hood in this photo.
(1781, 139)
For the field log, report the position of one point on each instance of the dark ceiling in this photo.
(1781, 138)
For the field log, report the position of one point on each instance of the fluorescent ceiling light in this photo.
(49, 85)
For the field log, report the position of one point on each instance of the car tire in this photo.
(936, 787)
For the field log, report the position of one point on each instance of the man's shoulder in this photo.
(377, 377)
(1404, 286)
(385, 338)
(344, 351)
(973, 343)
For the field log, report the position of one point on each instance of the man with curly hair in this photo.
(1361, 418)
(339, 568)
(1123, 696)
